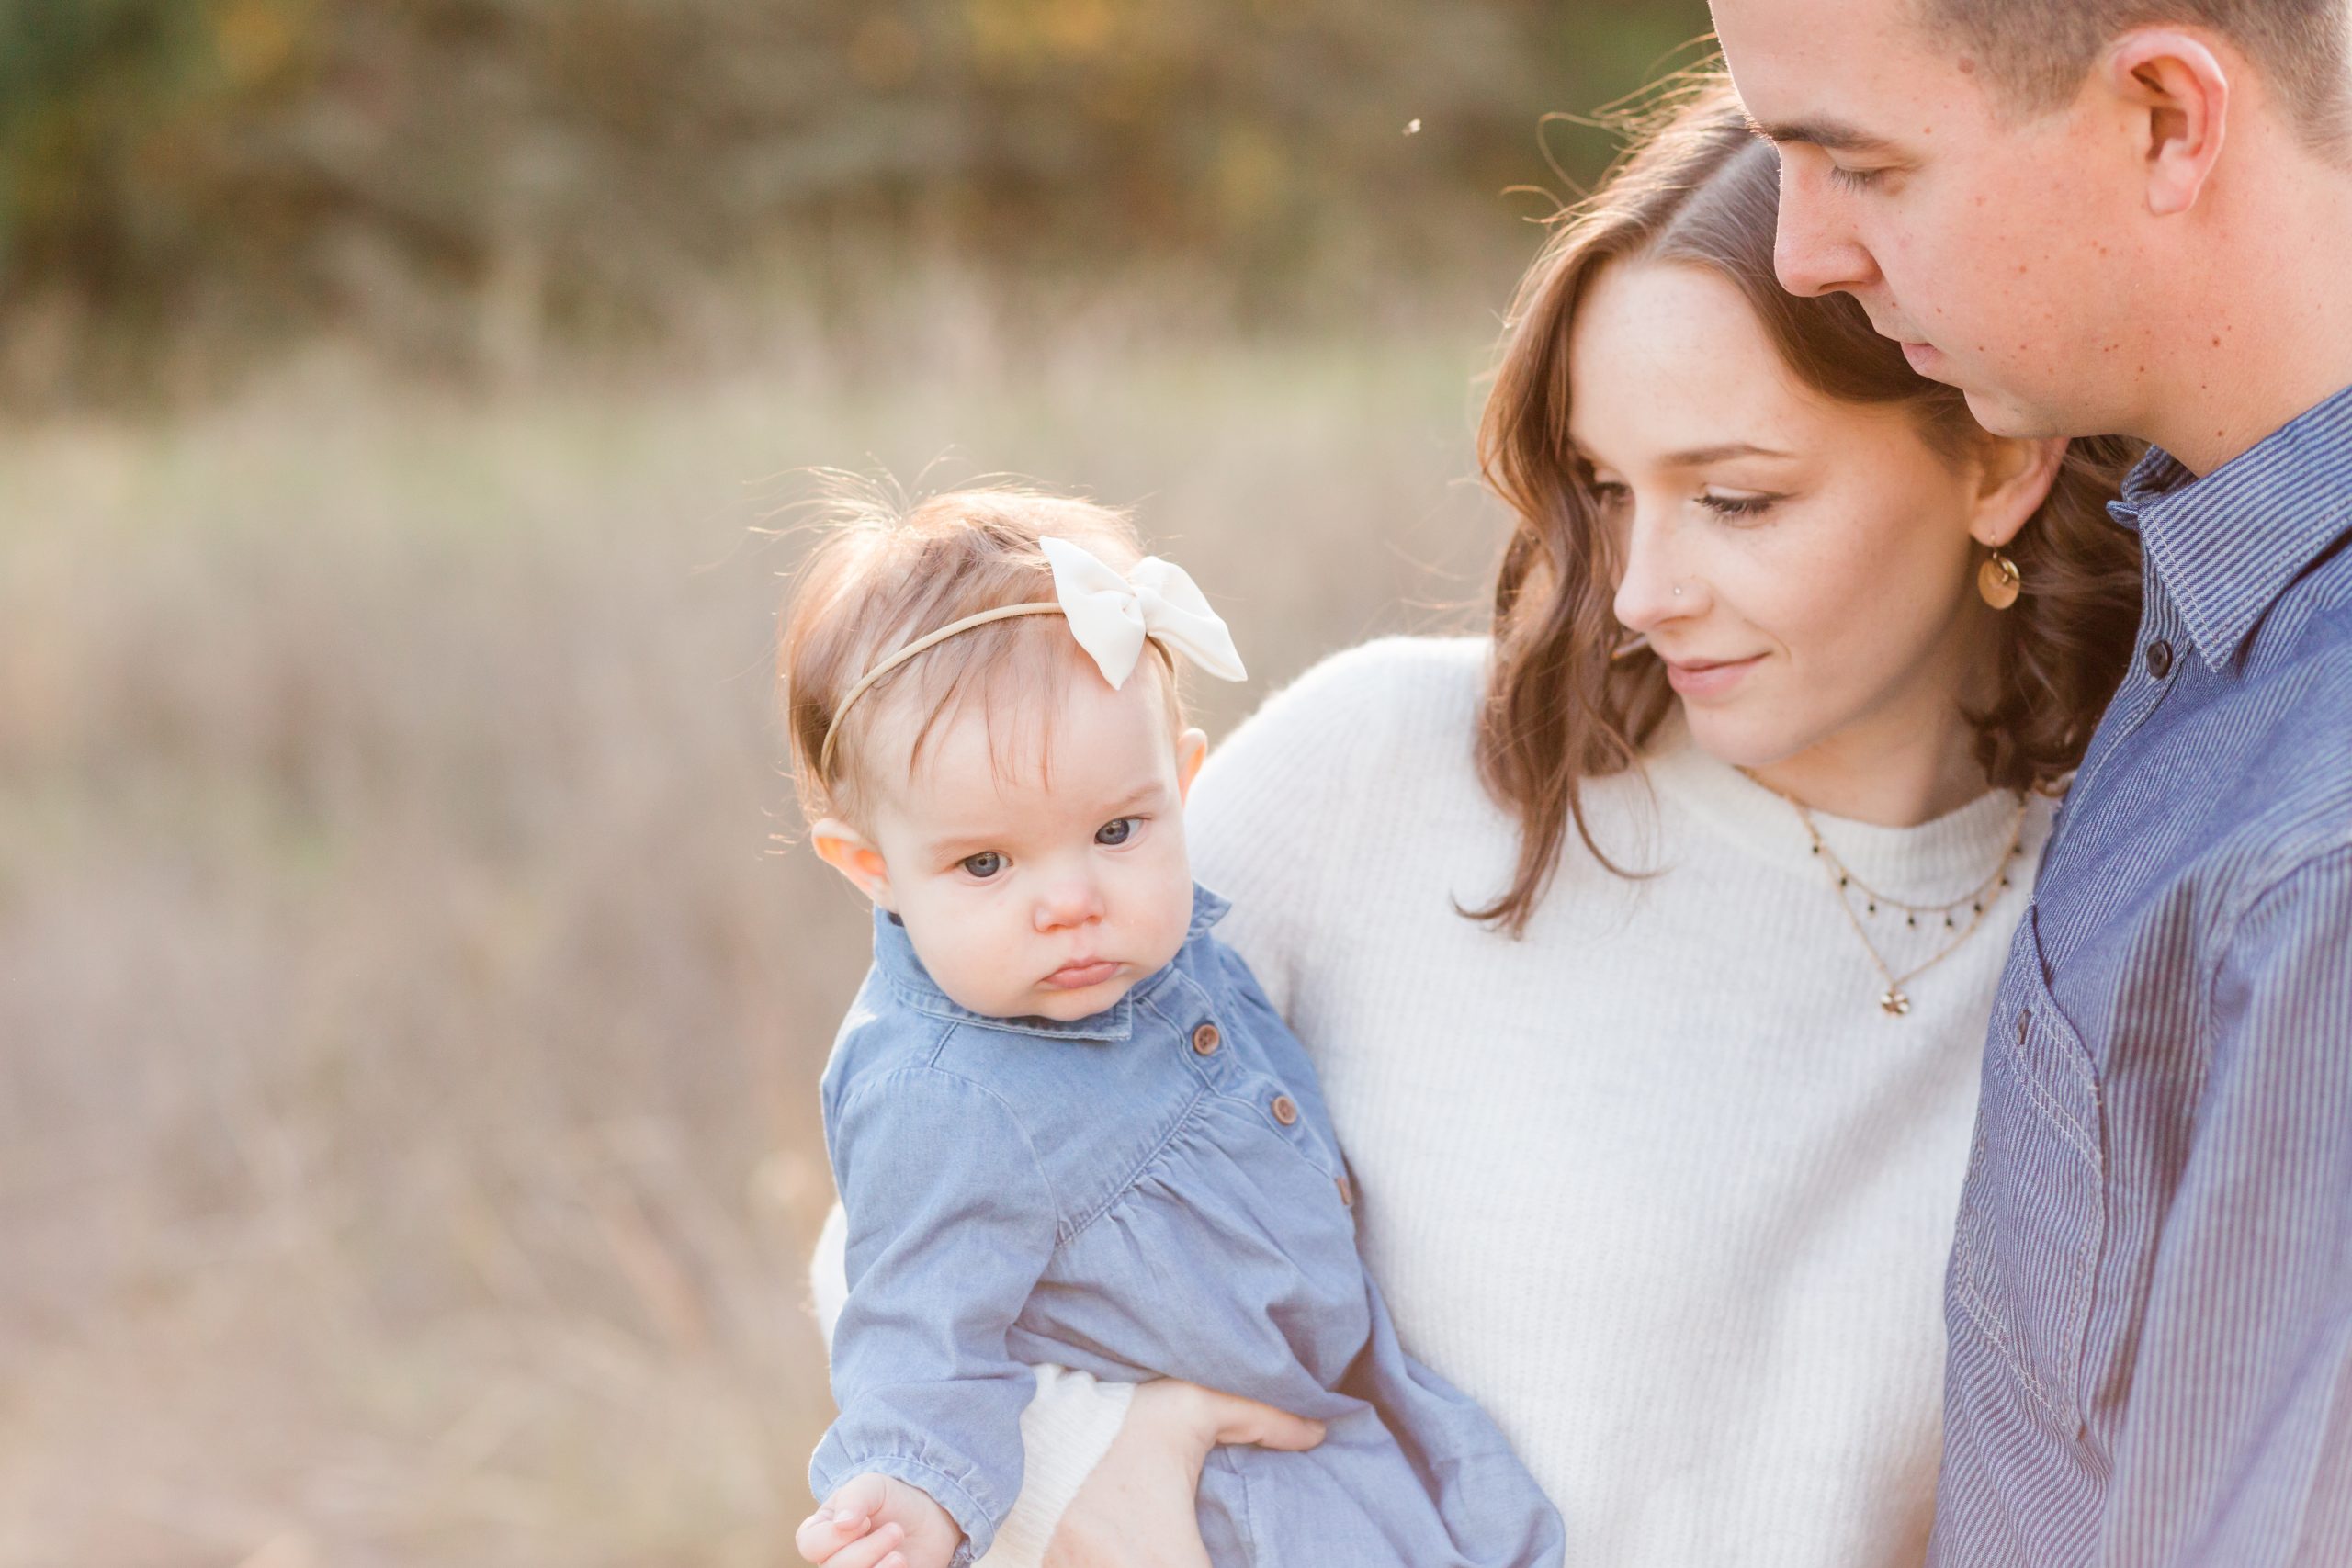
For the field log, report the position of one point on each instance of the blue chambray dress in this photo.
(1155, 1190)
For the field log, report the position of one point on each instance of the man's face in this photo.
(1999, 251)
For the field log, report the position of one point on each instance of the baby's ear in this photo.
(1192, 751)
(852, 854)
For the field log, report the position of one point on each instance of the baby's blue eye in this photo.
(1117, 830)
(985, 864)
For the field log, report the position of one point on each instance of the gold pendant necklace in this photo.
(1894, 1001)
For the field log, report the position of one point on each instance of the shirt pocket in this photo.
(2033, 1213)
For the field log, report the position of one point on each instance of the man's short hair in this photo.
(2037, 52)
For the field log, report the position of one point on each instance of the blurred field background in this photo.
(409, 1020)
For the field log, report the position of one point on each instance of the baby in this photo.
(1066, 1125)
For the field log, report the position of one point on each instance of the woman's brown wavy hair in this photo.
(1699, 188)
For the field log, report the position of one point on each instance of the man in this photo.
(2136, 216)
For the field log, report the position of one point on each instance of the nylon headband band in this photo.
(929, 640)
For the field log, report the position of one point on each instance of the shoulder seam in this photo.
(931, 1068)
(2252, 904)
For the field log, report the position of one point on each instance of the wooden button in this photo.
(1347, 1192)
(1285, 1110)
(2025, 1020)
(1205, 1040)
(2160, 660)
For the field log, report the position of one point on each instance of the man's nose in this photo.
(1815, 249)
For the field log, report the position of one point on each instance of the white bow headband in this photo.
(1109, 614)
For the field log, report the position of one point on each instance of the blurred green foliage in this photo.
(448, 176)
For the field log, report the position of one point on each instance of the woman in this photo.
(1644, 948)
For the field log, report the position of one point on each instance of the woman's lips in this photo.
(1706, 678)
(1078, 977)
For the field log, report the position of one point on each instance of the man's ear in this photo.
(1192, 751)
(2014, 477)
(852, 854)
(2179, 95)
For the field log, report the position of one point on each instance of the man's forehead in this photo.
(1835, 73)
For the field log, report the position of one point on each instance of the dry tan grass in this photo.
(408, 1028)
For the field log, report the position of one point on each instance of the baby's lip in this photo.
(1081, 973)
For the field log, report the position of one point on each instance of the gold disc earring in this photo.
(1999, 581)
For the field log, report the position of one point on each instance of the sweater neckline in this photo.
(1933, 863)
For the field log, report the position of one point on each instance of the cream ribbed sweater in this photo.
(1659, 1184)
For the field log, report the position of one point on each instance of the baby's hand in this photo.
(876, 1521)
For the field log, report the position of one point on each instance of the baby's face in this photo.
(1045, 880)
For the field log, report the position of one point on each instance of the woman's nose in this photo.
(1648, 593)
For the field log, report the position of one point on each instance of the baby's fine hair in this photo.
(885, 573)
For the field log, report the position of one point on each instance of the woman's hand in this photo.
(1136, 1509)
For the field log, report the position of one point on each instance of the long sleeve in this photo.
(951, 1222)
(1065, 1431)
(2238, 1446)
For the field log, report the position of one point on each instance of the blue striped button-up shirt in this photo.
(2149, 1307)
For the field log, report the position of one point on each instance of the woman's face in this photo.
(1803, 567)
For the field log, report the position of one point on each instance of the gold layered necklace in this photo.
(1963, 917)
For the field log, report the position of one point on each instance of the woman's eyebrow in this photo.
(1700, 456)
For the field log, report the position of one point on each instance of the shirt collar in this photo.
(2227, 545)
(894, 955)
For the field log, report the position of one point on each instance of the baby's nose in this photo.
(1070, 902)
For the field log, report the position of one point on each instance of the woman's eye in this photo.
(1118, 830)
(1854, 179)
(985, 864)
(1736, 506)
(1607, 494)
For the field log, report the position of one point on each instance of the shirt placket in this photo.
(2156, 657)
(1219, 1058)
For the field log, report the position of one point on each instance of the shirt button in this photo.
(1205, 1040)
(2025, 1020)
(1285, 1110)
(1347, 1193)
(2160, 659)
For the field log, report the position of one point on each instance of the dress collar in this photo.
(2227, 545)
(894, 957)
